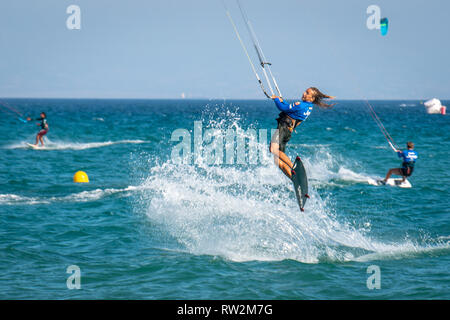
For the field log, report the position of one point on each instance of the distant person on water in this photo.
(44, 128)
(409, 157)
(290, 117)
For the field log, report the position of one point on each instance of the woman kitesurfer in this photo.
(290, 117)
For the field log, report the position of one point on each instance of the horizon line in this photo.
(203, 98)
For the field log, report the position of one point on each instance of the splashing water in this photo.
(249, 212)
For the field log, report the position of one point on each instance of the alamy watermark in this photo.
(74, 280)
(73, 22)
(374, 280)
(213, 146)
(373, 21)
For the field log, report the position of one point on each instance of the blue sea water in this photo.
(147, 227)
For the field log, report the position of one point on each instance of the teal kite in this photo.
(384, 23)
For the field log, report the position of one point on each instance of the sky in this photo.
(139, 49)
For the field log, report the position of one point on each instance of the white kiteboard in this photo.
(390, 182)
(32, 146)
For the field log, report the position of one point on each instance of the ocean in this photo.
(184, 202)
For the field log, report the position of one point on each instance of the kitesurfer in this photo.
(290, 117)
(409, 157)
(44, 128)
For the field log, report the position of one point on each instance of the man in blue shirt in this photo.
(290, 117)
(409, 159)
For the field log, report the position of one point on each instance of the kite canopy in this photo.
(384, 24)
(434, 106)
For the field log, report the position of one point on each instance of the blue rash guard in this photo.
(296, 110)
(409, 157)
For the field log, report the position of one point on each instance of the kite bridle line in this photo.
(259, 52)
(262, 58)
(380, 125)
(12, 110)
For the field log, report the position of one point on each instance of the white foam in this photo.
(250, 213)
(13, 199)
(63, 145)
(349, 175)
(247, 215)
(327, 168)
(84, 196)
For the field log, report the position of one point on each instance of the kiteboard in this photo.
(300, 182)
(390, 182)
(33, 146)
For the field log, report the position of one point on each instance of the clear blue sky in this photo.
(162, 48)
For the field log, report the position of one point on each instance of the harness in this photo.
(286, 120)
(408, 165)
(43, 122)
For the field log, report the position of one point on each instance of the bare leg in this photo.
(37, 140)
(281, 160)
(42, 140)
(286, 159)
(396, 171)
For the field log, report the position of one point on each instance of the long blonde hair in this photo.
(319, 96)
